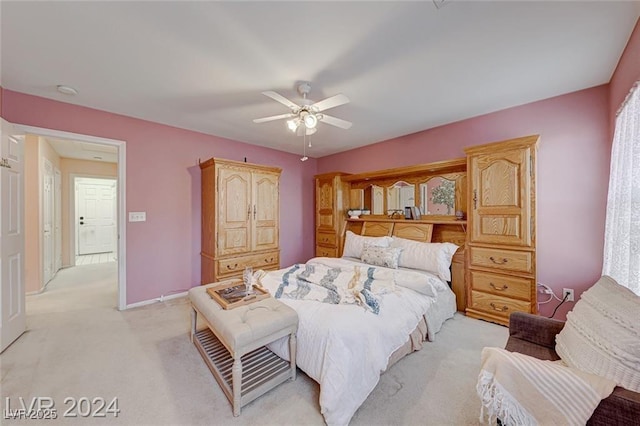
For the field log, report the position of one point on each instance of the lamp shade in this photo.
(309, 119)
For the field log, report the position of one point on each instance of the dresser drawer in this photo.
(326, 251)
(497, 305)
(508, 260)
(326, 239)
(502, 285)
(235, 265)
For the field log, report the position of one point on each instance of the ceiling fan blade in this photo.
(338, 122)
(278, 97)
(273, 117)
(331, 102)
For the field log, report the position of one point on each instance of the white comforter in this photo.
(345, 347)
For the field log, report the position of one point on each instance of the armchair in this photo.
(535, 336)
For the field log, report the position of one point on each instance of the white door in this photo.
(96, 215)
(47, 221)
(12, 315)
(57, 224)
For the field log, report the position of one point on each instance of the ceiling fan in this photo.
(304, 118)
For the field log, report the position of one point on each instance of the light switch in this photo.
(137, 216)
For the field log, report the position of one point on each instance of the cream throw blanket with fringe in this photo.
(523, 390)
(602, 334)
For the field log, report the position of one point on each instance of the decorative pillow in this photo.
(353, 244)
(602, 334)
(431, 257)
(381, 256)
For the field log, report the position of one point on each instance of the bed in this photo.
(385, 312)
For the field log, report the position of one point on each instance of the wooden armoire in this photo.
(501, 237)
(332, 200)
(240, 218)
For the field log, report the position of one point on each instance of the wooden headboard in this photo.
(423, 231)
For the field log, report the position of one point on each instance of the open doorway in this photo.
(91, 174)
(95, 220)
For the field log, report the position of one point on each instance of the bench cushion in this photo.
(246, 327)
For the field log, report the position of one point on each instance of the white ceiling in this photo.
(84, 150)
(406, 66)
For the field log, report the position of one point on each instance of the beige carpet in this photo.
(79, 345)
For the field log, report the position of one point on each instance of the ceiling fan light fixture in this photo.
(292, 125)
(310, 120)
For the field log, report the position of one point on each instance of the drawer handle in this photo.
(503, 288)
(495, 308)
(497, 261)
(268, 260)
(234, 266)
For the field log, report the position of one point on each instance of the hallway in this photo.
(77, 288)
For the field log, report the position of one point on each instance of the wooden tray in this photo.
(231, 294)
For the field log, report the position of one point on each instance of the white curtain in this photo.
(622, 229)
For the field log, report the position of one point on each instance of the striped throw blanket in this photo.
(522, 390)
(353, 285)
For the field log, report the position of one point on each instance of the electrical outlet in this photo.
(567, 292)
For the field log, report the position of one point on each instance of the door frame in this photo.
(57, 222)
(121, 186)
(73, 222)
(43, 205)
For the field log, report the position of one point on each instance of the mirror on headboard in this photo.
(374, 199)
(400, 195)
(369, 199)
(438, 196)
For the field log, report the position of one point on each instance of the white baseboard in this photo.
(157, 299)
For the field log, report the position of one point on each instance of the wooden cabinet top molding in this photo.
(523, 142)
(330, 175)
(436, 168)
(232, 163)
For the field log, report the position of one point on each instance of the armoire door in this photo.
(234, 211)
(265, 214)
(500, 198)
(325, 220)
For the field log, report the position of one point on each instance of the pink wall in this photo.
(573, 172)
(163, 179)
(627, 72)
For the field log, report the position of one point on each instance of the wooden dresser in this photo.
(501, 236)
(332, 199)
(240, 218)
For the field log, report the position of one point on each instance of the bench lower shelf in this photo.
(262, 370)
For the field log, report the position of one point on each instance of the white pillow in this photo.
(602, 334)
(432, 257)
(353, 244)
(381, 256)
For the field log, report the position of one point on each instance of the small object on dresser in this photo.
(459, 215)
(233, 293)
(354, 213)
(247, 279)
(407, 213)
(415, 213)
